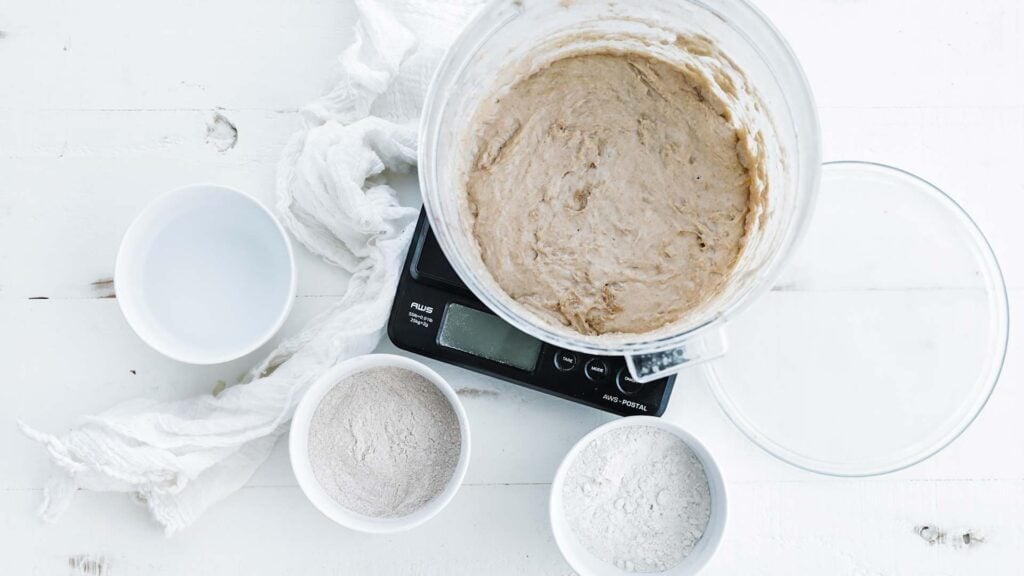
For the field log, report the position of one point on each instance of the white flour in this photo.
(637, 497)
(384, 442)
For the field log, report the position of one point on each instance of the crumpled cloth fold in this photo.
(182, 457)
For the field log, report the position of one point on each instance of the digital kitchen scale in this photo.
(436, 315)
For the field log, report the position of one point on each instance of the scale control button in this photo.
(627, 385)
(566, 361)
(596, 369)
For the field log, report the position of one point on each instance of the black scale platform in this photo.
(436, 315)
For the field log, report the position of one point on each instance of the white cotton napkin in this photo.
(181, 457)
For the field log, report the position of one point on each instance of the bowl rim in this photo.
(298, 443)
(126, 292)
(1000, 308)
(717, 522)
(807, 172)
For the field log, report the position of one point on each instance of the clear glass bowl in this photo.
(882, 340)
(779, 108)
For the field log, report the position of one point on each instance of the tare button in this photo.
(566, 361)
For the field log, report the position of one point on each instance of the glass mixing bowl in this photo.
(775, 103)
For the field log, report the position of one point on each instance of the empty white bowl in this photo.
(298, 446)
(585, 563)
(205, 274)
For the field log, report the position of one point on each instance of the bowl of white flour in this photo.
(380, 443)
(638, 495)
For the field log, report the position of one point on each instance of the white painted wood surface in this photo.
(105, 104)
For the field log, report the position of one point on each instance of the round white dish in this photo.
(298, 446)
(205, 274)
(585, 563)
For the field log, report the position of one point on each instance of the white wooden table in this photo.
(104, 104)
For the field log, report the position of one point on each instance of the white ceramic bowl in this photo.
(205, 274)
(585, 563)
(298, 446)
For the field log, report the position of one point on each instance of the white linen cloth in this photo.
(182, 457)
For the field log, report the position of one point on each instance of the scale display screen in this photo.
(487, 336)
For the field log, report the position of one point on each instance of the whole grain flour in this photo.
(384, 442)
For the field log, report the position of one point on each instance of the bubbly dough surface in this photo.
(607, 193)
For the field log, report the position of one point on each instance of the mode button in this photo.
(596, 369)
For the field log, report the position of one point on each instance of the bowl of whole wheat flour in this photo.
(380, 443)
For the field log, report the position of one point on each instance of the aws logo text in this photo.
(422, 308)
